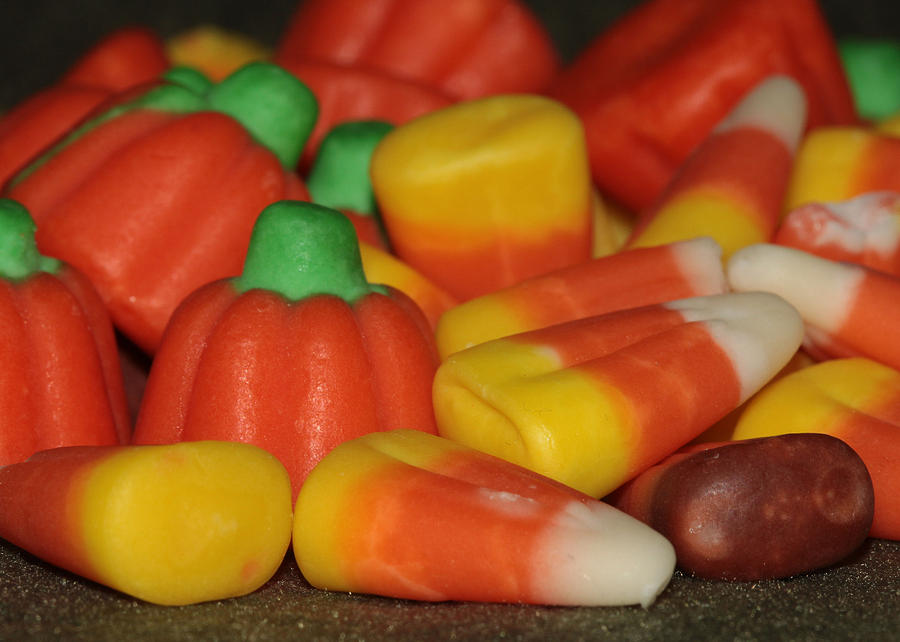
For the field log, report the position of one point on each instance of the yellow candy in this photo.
(826, 165)
(484, 193)
(175, 524)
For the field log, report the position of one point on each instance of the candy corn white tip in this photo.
(823, 291)
(700, 261)
(776, 105)
(596, 555)
(758, 330)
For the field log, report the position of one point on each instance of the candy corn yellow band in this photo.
(703, 212)
(504, 161)
(478, 320)
(190, 522)
(337, 477)
(504, 398)
(826, 166)
(815, 398)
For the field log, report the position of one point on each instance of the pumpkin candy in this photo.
(297, 354)
(125, 58)
(157, 195)
(61, 382)
(464, 49)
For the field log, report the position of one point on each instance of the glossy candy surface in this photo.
(410, 515)
(756, 509)
(172, 525)
(594, 402)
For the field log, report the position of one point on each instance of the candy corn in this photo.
(595, 401)
(383, 267)
(849, 310)
(733, 186)
(615, 282)
(172, 525)
(484, 193)
(864, 229)
(838, 163)
(410, 515)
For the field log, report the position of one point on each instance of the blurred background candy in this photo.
(864, 229)
(156, 194)
(122, 59)
(838, 163)
(651, 87)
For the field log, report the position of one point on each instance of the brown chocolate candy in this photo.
(759, 508)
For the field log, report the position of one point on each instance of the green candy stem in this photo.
(189, 78)
(301, 249)
(340, 176)
(274, 106)
(873, 71)
(19, 256)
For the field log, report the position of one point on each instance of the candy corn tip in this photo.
(760, 331)
(597, 555)
(700, 260)
(800, 278)
(776, 105)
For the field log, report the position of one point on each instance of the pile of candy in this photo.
(447, 317)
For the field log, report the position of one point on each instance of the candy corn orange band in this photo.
(484, 193)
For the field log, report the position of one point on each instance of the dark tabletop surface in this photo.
(857, 600)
